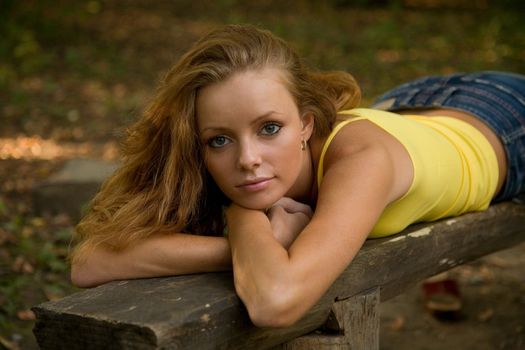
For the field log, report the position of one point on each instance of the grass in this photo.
(89, 66)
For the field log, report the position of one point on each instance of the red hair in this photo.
(162, 185)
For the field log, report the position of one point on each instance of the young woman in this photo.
(245, 159)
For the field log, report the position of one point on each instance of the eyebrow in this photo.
(255, 121)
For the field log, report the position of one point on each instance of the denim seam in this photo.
(511, 92)
(493, 97)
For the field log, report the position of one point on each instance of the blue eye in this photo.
(218, 141)
(270, 129)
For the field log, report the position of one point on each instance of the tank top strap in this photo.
(329, 139)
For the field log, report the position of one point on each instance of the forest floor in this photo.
(74, 74)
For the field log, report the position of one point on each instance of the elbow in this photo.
(274, 310)
(93, 268)
(272, 316)
(78, 278)
(271, 320)
(81, 276)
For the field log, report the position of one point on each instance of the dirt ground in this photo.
(74, 74)
(492, 317)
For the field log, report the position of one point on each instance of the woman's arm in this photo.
(176, 254)
(161, 255)
(361, 178)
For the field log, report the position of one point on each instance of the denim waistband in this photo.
(497, 98)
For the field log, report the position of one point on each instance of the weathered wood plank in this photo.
(353, 324)
(360, 317)
(316, 342)
(203, 311)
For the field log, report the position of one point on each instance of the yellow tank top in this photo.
(455, 167)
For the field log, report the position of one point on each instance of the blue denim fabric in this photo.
(497, 98)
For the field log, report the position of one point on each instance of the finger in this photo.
(275, 211)
(293, 206)
(302, 217)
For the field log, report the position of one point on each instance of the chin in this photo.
(257, 204)
(253, 206)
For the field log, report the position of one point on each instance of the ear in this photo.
(308, 125)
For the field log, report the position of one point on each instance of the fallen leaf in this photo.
(397, 324)
(9, 345)
(486, 315)
(485, 290)
(62, 220)
(38, 222)
(21, 265)
(486, 273)
(26, 315)
(498, 262)
(27, 231)
(205, 318)
(6, 236)
(53, 295)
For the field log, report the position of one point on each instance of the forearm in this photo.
(260, 265)
(276, 285)
(162, 255)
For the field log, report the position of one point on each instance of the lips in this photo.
(256, 184)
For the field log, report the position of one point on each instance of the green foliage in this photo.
(34, 34)
(33, 264)
(91, 64)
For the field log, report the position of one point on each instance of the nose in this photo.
(249, 156)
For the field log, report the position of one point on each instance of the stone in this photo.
(71, 188)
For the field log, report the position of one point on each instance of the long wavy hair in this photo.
(162, 185)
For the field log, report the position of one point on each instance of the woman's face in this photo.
(251, 132)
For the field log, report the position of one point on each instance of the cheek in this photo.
(292, 160)
(287, 157)
(211, 165)
(289, 149)
(218, 169)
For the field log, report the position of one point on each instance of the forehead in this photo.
(247, 93)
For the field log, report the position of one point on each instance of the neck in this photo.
(316, 144)
(305, 188)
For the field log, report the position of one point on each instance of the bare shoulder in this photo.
(363, 150)
(360, 179)
(358, 135)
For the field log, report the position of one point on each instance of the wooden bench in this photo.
(203, 312)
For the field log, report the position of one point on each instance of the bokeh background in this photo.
(73, 74)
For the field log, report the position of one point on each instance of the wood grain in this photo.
(203, 312)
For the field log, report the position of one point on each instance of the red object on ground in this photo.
(442, 296)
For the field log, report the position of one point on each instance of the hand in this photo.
(288, 218)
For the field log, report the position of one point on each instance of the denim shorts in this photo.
(496, 98)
